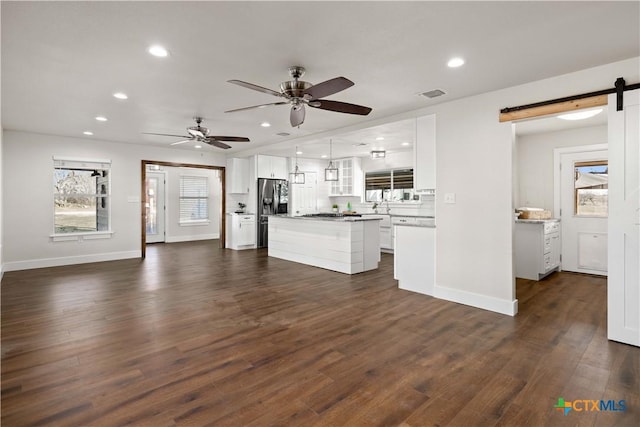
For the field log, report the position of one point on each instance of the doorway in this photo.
(155, 206)
(581, 189)
(144, 199)
(304, 197)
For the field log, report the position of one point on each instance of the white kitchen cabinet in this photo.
(241, 231)
(424, 151)
(272, 167)
(350, 178)
(537, 248)
(238, 175)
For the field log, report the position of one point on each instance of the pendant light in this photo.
(330, 172)
(297, 177)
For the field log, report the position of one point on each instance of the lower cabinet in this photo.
(386, 234)
(537, 248)
(414, 258)
(241, 231)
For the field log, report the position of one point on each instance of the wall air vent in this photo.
(433, 93)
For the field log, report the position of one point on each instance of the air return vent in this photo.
(433, 93)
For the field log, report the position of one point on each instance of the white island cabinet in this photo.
(415, 256)
(345, 245)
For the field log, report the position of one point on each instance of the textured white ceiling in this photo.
(61, 61)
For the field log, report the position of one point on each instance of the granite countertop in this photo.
(537, 221)
(333, 219)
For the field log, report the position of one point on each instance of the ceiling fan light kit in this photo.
(299, 94)
(331, 172)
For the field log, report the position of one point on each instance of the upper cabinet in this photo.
(424, 151)
(272, 167)
(238, 175)
(350, 178)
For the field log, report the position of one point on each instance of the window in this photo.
(591, 188)
(194, 199)
(81, 191)
(391, 185)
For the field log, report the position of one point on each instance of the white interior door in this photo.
(623, 288)
(584, 211)
(304, 197)
(155, 207)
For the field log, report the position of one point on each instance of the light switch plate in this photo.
(450, 198)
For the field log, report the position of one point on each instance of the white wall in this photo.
(535, 162)
(28, 214)
(182, 233)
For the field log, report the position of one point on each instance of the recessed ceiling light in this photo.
(86, 132)
(159, 51)
(198, 146)
(324, 156)
(101, 118)
(455, 62)
(298, 152)
(265, 124)
(580, 115)
(380, 138)
(406, 143)
(120, 95)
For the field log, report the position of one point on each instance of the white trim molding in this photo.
(177, 239)
(71, 260)
(477, 300)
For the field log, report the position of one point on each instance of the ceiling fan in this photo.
(201, 134)
(299, 93)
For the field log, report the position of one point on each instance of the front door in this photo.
(155, 206)
(584, 211)
(623, 289)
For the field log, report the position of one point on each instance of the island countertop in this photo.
(345, 218)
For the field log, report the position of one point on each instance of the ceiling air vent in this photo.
(283, 134)
(433, 93)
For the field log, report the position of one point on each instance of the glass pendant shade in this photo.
(331, 172)
(296, 177)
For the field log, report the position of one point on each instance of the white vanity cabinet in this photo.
(238, 175)
(272, 167)
(424, 152)
(350, 178)
(537, 248)
(241, 231)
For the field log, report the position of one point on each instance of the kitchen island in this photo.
(345, 244)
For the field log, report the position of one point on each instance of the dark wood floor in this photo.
(196, 335)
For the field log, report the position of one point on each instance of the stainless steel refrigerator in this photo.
(273, 199)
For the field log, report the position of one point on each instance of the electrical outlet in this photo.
(450, 198)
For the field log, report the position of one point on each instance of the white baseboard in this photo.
(477, 300)
(80, 259)
(176, 239)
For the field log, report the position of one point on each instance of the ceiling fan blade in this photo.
(180, 142)
(297, 115)
(328, 87)
(217, 144)
(256, 106)
(341, 107)
(166, 134)
(255, 87)
(230, 138)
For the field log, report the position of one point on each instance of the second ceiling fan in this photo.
(299, 93)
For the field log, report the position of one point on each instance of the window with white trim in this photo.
(194, 199)
(81, 196)
(389, 185)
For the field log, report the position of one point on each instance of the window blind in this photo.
(194, 198)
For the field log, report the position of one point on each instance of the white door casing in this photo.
(584, 238)
(623, 291)
(304, 197)
(156, 207)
